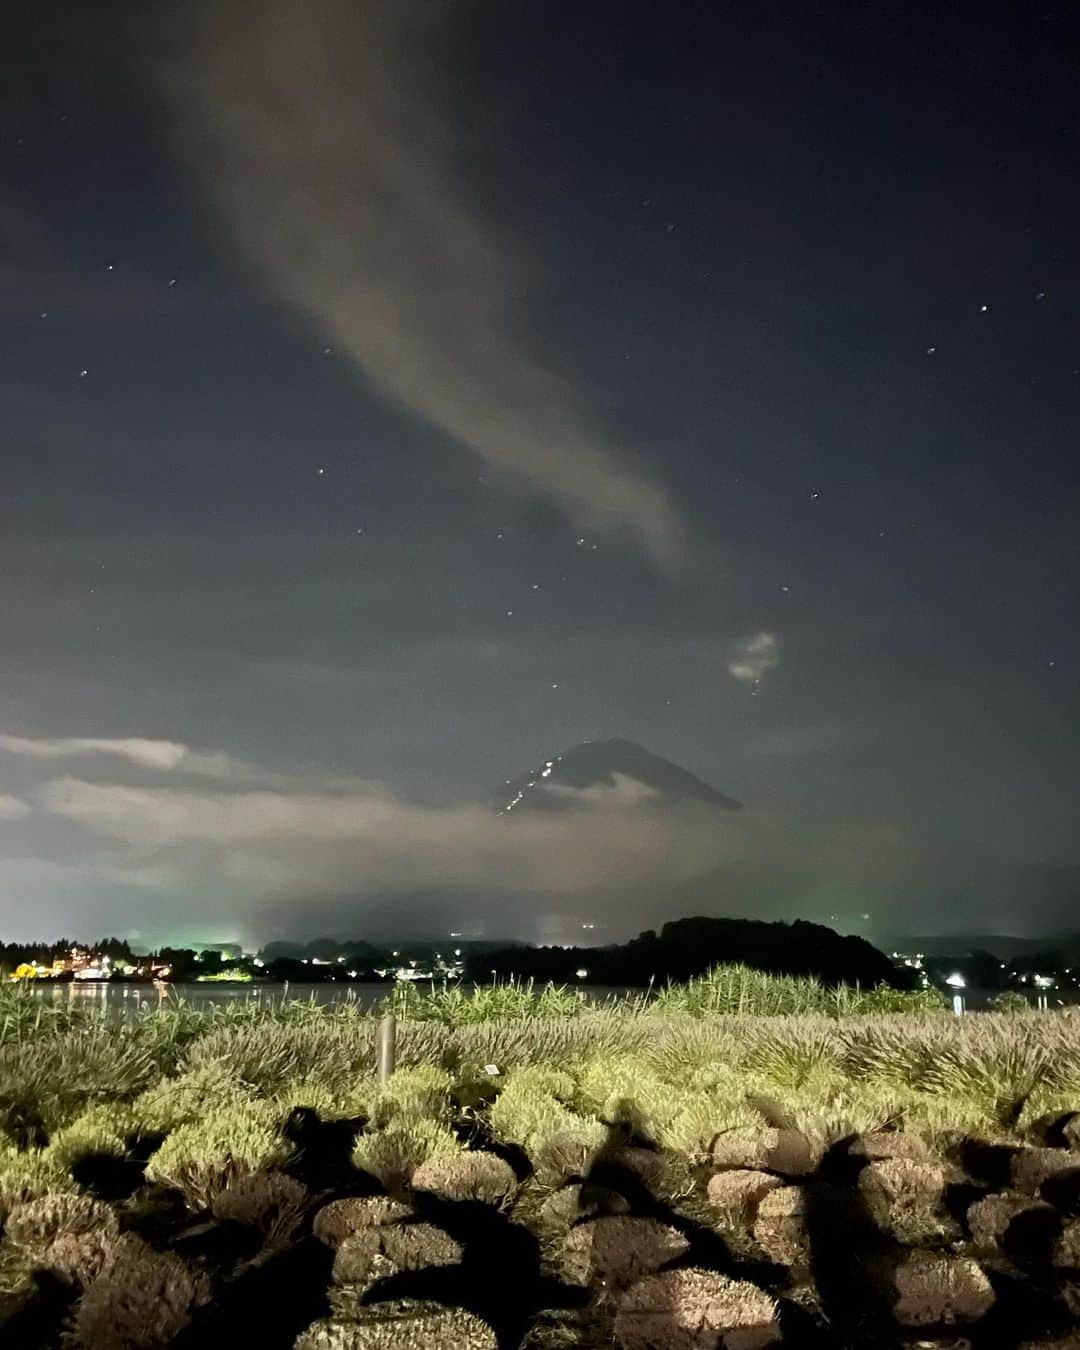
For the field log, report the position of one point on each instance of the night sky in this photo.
(397, 393)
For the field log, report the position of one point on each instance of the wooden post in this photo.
(385, 1048)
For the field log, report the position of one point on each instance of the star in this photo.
(172, 281)
(1040, 295)
(555, 685)
(984, 309)
(83, 374)
(328, 351)
(536, 586)
(509, 613)
(109, 267)
(930, 351)
(44, 314)
(814, 496)
(786, 590)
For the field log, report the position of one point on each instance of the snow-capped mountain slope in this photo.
(580, 776)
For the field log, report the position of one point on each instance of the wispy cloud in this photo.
(146, 753)
(12, 808)
(313, 125)
(754, 657)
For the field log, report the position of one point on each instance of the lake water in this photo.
(127, 1000)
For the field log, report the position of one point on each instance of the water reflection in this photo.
(124, 1001)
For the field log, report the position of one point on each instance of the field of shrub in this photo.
(740, 1162)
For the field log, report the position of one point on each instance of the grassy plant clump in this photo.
(790, 1056)
(690, 1307)
(882, 1145)
(836, 1111)
(736, 1195)
(204, 1158)
(422, 1090)
(764, 1148)
(1000, 1071)
(780, 1227)
(270, 1202)
(392, 1155)
(1050, 1116)
(523, 1044)
(742, 991)
(378, 1252)
(903, 1196)
(351, 1100)
(651, 1168)
(940, 1291)
(1032, 1167)
(342, 1218)
(646, 1099)
(990, 1219)
(269, 1053)
(28, 1174)
(53, 1078)
(71, 1237)
(531, 1111)
(100, 1130)
(188, 1098)
(698, 1052)
(512, 1001)
(627, 1091)
(480, 1177)
(402, 1325)
(143, 1299)
(33, 1224)
(1067, 1247)
(26, 1017)
(421, 1093)
(560, 1209)
(615, 1252)
(533, 1107)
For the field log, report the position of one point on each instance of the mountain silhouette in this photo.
(599, 765)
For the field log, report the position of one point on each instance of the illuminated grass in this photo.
(205, 1157)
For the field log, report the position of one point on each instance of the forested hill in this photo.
(688, 947)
